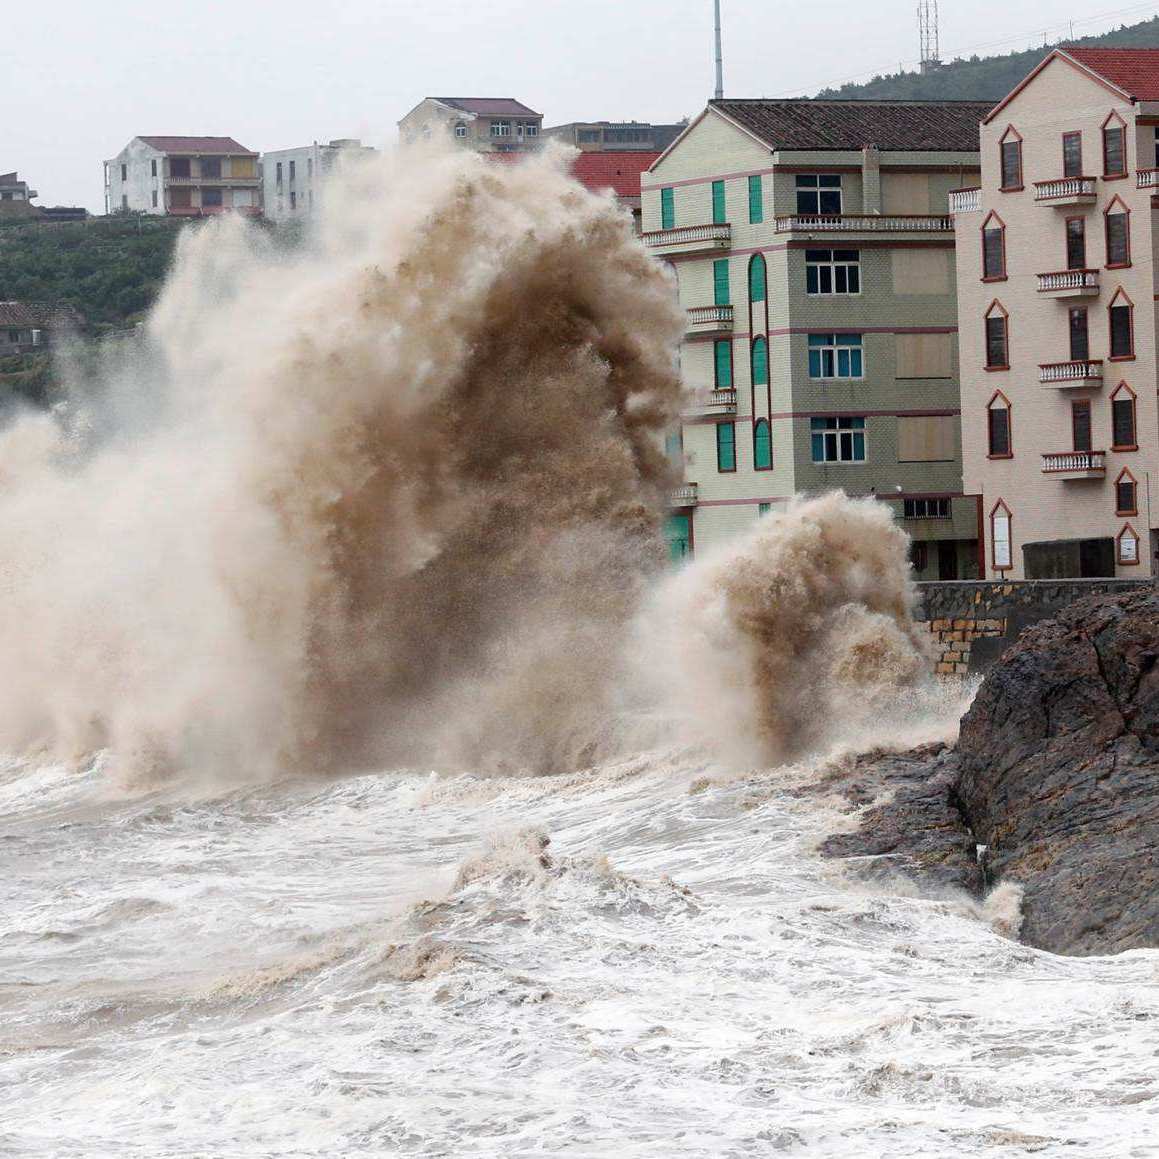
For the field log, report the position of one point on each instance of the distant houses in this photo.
(15, 197)
(485, 124)
(31, 327)
(293, 180)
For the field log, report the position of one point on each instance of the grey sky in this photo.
(80, 78)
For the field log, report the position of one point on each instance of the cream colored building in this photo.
(814, 256)
(1057, 299)
(486, 124)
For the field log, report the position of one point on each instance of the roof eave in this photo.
(1056, 54)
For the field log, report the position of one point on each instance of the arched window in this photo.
(1126, 494)
(1123, 436)
(997, 337)
(1001, 548)
(762, 446)
(1127, 543)
(757, 278)
(760, 362)
(993, 249)
(1010, 159)
(998, 430)
(1121, 320)
(1114, 146)
(1117, 230)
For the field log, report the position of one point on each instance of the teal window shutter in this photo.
(720, 290)
(724, 364)
(667, 209)
(760, 362)
(757, 282)
(726, 446)
(718, 214)
(679, 535)
(762, 446)
(764, 508)
(756, 200)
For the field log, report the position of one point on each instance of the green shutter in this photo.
(757, 278)
(724, 364)
(679, 535)
(756, 200)
(720, 291)
(726, 446)
(667, 209)
(718, 214)
(762, 446)
(760, 362)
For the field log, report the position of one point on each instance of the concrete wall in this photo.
(135, 191)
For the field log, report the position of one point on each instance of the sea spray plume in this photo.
(394, 498)
(796, 639)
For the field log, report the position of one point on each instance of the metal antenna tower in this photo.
(928, 35)
(719, 60)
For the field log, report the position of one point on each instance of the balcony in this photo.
(1069, 284)
(1075, 464)
(854, 223)
(712, 402)
(1086, 372)
(709, 320)
(1066, 191)
(689, 239)
(683, 496)
(1147, 179)
(228, 182)
(965, 200)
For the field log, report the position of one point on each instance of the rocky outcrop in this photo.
(1059, 775)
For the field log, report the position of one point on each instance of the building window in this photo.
(309, 168)
(667, 209)
(726, 447)
(926, 508)
(1011, 159)
(721, 295)
(530, 129)
(500, 128)
(762, 446)
(211, 198)
(757, 279)
(1080, 347)
(760, 361)
(919, 556)
(1123, 437)
(679, 535)
(278, 174)
(835, 356)
(460, 129)
(1126, 494)
(1000, 547)
(764, 509)
(998, 427)
(1114, 147)
(756, 200)
(997, 338)
(1118, 229)
(124, 201)
(179, 167)
(1120, 314)
(838, 440)
(124, 172)
(1072, 154)
(13, 335)
(293, 201)
(1076, 243)
(719, 215)
(722, 351)
(154, 198)
(211, 168)
(1127, 552)
(993, 249)
(153, 167)
(832, 272)
(1080, 424)
(293, 173)
(819, 194)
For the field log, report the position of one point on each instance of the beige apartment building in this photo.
(1057, 300)
(814, 255)
(485, 124)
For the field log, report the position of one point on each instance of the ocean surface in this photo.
(643, 960)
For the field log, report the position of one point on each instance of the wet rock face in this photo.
(1059, 775)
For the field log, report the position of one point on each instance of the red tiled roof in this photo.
(38, 315)
(489, 106)
(619, 172)
(1134, 70)
(195, 145)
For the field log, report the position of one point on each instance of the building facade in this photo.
(486, 124)
(16, 197)
(183, 177)
(814, 256)
(293, 180)
(31, 327)
(616, 136)
(1057, 300)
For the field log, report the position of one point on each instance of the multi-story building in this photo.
(487, 124)
(1057, 297)
(16, 197)
(293, 180)
(616, 136)
(183, 177)
(814, 254)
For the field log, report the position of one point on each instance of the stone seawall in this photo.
(975, 621)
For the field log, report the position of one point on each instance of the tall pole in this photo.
(719, 61)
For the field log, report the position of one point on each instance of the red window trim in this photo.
(986, 343)
(1002, 277)
(1134, 419)
(1119, 479)
(1009, 425)
(1021, 178)
(1001, 504)
(1066, 242)
(1130, 322)
(1077, 406)
(1107, 213)
(1072, 133)
(1119, 547)
(1122, 125)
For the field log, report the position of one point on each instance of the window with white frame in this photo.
(838, 440)
(530, 129)
(832, 272)
(460, 129)
(836, 356)
(926, 508)
(500, 128)
(819, 193)
(1000, 547)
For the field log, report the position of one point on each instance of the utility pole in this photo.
(719, 59)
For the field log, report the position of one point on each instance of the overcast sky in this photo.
(81, 77)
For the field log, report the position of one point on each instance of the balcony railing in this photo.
(1078, 373)
(1147, 179)
(709, 319)
(1069, 283)
(713, 402)
(684, 496)
(865, 223)
(689, 238)
(965, 200)
(229, 181)
(1066, 190)
(1079, 463)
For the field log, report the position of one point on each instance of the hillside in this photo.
(984, 78)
